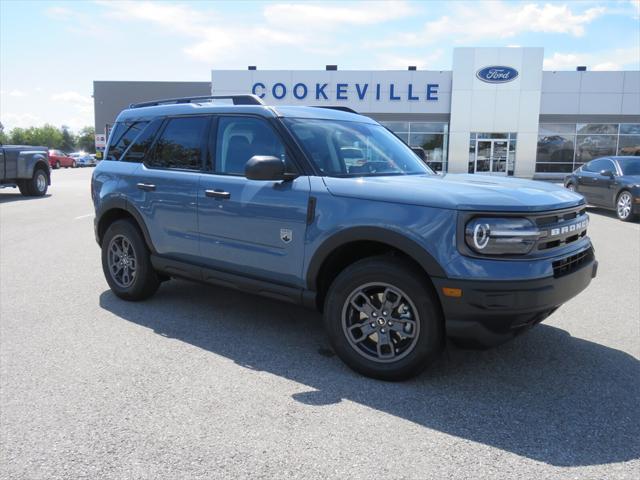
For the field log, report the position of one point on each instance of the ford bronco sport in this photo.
(328, 209)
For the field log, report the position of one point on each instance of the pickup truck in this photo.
(25, 167)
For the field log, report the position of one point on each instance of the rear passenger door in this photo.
(166, 185)
(250, 227)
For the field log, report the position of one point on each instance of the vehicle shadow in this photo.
(546, 396)
(16, 196)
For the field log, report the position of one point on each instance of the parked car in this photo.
(25, 167)
(610, 182)
(269, 200)
(58, 159)
(83, 159)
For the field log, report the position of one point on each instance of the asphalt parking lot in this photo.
(202, 382)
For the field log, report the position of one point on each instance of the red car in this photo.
(59, 159)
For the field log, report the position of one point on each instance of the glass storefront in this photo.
(430, 136)
(563, 147)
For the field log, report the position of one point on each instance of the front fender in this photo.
(402, 241)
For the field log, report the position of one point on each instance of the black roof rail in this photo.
(237, 100)
(337, 107)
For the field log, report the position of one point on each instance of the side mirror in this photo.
(607, 173)
(262, 167)
(419, 151)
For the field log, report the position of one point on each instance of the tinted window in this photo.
(590, 147)
(121, 137)
(630, 166)
(142, 143)
(179, 145)
(629, 145)
(599, 165)
(239, 139)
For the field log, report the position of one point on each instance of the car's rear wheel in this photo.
(57, 164)
(36, 186)
(74, 164)
(126, 263)
(383, 318)
(624, 206)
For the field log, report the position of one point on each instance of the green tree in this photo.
(86, 140)
(46, 136)
(68, 141)
(4, 138)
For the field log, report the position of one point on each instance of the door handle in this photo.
(147, 187)
(218, 194)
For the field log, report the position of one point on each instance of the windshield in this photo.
(352, 149)
(630, 166)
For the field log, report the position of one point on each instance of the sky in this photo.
(52, 51)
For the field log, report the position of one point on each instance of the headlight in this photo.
(501, 236)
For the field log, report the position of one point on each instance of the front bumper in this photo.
(491, 312)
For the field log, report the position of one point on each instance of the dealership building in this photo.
(495, 112)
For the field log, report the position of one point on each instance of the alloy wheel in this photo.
(624, 205)
(121, 259)
(380, 322)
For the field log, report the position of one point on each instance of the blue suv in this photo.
(328, 209)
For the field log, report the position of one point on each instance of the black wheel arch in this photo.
(117, 209)
(359, 242)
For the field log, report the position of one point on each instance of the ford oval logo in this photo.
(497, 74)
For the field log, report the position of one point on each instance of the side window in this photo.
(239, 139)
(121, 137)
(180, 144)
(142, 143)
(599, 165)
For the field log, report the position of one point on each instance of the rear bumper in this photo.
(490, 312)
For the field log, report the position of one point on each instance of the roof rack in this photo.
(337, 107)
(237, 100)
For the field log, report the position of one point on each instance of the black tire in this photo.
(380, 274)
(36, 186)
(57, 167)
(144, 282)
(571, 186)
(625, 214)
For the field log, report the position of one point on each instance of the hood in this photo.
(458, 191)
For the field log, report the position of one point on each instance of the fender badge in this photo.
(286, 235)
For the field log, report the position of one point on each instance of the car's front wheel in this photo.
(383, 318)
(571, 187)
(624, 206)
(126, 263)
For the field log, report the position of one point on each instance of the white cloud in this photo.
(72, 97)
(395, 62)
(308, 15)
(22, 120)
(308, 27)
(17, 93)
(616, 59)
(491, 20)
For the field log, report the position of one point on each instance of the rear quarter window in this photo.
(123, 135)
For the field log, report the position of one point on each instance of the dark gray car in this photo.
(609, 182)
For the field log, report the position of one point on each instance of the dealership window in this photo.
(563, 147)
(432, 137)
(629, 139)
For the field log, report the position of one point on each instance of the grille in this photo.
(572, 263)
(562, 228)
